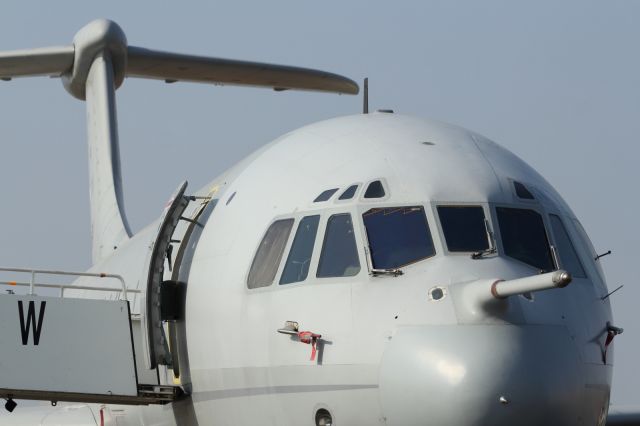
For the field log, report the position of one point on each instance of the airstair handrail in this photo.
(32, 284)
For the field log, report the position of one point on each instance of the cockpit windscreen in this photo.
(464, 228)
(568, 255)
(397, 236)
(339, 256)
(524, 237)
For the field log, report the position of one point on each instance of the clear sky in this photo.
(558, 83)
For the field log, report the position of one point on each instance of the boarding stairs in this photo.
(80, 342)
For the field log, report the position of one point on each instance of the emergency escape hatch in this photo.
(82, 349)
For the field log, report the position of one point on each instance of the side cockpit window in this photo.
(568, 256)
(397, 236)
(267, 259)
(592, 251)
(297, 267)
(524, 237)
(464, 228)
(339, 257)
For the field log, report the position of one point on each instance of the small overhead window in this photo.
(297, 266)
(568, 256)
(464, 228)
(267, 259)
(339, 257)
(325, 195)
(524, 237)
(348, 193)
(374, 190)
(522, 191)
(397, 236)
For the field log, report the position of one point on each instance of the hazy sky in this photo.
(558, 83)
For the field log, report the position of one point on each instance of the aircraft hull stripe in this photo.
(267, 390)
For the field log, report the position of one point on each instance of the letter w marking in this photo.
(31, 321)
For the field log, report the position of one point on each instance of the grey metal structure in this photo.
(45, 342)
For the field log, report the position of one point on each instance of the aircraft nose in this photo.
(466, 375)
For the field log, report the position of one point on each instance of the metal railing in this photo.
(32, 283)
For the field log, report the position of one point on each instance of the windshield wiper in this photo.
(394, 272)
(482, 253)
(490, 239)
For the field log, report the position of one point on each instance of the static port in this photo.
(437, 293)
(323, 418)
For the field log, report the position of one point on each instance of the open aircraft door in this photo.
(153, 335)
(163, 300)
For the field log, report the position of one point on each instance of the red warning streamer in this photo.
(310, 339)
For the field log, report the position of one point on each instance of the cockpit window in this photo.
(374, 190)
(348, 193)
(524, 237)
(339, 257)
(587, 242)
(567, 252)
(522, 191)
(464, 228)
(297, 266)
(325, 195)
(267, 259)
(397, 236)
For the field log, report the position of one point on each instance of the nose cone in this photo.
(480, 375)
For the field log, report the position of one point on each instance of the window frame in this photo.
(311, 279)
(332, 193)
(486, 208)
(325, 222)
(525, 205)
(529, 203)
(285, 249)
(289, 246)
(436, 238)
(356, 196)
(572, 242)
(587, 252)
(385, 186)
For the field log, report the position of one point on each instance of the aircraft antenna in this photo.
(610, 293)
(365, 99)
